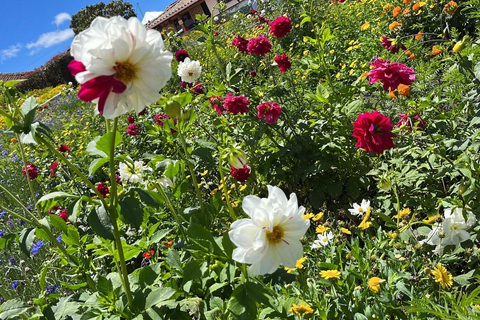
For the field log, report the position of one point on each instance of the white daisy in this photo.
(323, 240)
(360, 210)
(189, 70)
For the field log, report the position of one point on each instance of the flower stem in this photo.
(172, 209)
(27, 174)
(225, 191)
(112, 208)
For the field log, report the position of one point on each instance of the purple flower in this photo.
(37, 246)
(14, 285)
(11, 261)
(51, 289)
(2, 232)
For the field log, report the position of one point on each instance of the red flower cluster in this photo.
(103, 189)
(235, 104)
(241, 174)
(270, 111)
(131, 119)
(259, 45)
(391, 45)
(181, 55)
(217, 103)
(53, 168)
(408, 123)
(32, 171)
(241, 44)
(280, 26)
(63, 214)
(133, 129)
(373, 132)
(391, 74)
(158, 120)
(198, 89)
(283, 62)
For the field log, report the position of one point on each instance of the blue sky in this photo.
(34, 31)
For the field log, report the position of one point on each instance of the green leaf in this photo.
(71, 237)
(159, 295)
(131, 209)
(13, 309)
(58, 222)
(92, 148)
(159, 235)
(104, 286)
(100, 222)
(65, 308)
(202, 239)
(28, 105)
(322, 93)
(173, 260)
(463, 278)
(26, 239)
(105, 142)
(96, 164)
(241, 305)
(192, 271)
(403, 289)
(151, 198)
(55, 195)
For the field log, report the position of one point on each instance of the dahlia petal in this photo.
(289, 251)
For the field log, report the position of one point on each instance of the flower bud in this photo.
(459, 46)
(462, 188)
(237, 158)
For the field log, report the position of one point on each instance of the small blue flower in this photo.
(51, 289)
(37, 246)
(14, 285)
(11, 261)
(59, 238)
(2, 213)
(21, 222)
(2, 232)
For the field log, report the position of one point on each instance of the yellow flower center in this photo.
(276, 235)
(360, 209)
(126, 72)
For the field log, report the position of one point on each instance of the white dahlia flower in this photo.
(272, 234)
(189, 70)
(120, 65)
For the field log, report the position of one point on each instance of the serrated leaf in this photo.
(159, 235)
(173, 260)
(12, 309)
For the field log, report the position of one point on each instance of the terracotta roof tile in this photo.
(13, 76)
(171, 10)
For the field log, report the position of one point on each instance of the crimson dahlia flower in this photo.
(283, 62)
(181, 55)
(391, 74)
(241, 174)
(235, 104)
(373, 132)
(241, 44)
(32, 171)
(280, 26)
(270, 111)
(259, 45)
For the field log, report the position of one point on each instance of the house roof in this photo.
(171, 10)
(13, 76)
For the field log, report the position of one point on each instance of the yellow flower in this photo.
(330, 274)
(365, 224)
(322, 229)
(305, 53)
(299, 263)
(442, 276)
(318, 216)
(392, 234)
(243, 187)
(403, 213)
(307, 216)
(204, 173)
(431, 219)
(365, 26)
(289, 270)
(345, 230)
(374, 284)
(301, 309)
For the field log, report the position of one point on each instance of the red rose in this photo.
(63, 214)
(53, 168)
(280, 26)
(373, 132)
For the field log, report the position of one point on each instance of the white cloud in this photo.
(49, 39)
(61, 18)
(10, 52)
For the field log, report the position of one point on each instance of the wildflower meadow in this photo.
(301, 159)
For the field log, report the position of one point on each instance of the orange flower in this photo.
(394, 25)
(391, 94)
(396, 11)
(416, 7)
(404, 90)
(408, 53)
(450, 7)
(13, 140)
(407, 1)
(412, 56)
(419, 35)
(406, 11)
(436, 50)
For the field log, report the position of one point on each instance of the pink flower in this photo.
(217, 103)
(408, 123)
(103, 189)
(133, 129)
(259, 45)
(373, 132)
(283, 62)
(198, 89)
(158, 120)
(253, 73)
(131, 119)
(280, 26)
(241, 44)
(270, 111)
(391, 46)
(241, 174)
(32, 171)
(53, 168)
(235, 104)
(181, 55)
(391, 74)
